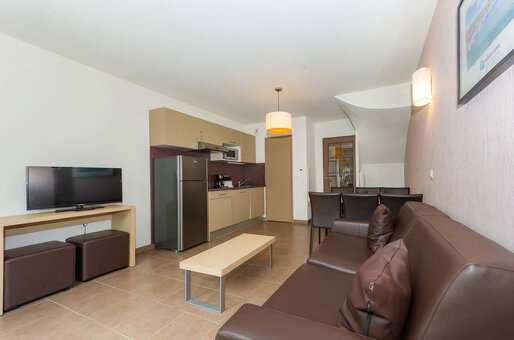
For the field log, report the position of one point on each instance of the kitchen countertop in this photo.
(237, 188)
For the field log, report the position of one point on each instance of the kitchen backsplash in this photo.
(254, 173)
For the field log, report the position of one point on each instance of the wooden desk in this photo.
(123, 217)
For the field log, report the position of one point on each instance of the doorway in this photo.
(339, 164)
(279, 179)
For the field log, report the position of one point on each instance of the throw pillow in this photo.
(379, 300)
(380, 228)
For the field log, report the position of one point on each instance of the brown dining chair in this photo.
(367, 190)
(395, 202)
(359, 207)
(395, 191)
(325, 208)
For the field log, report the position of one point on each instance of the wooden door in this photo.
(279, 179)
(339, 164)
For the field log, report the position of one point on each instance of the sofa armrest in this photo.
(260, 323)
(352, 228)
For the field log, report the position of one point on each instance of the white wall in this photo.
(300, 161)
(469, 147)
(54, 111)
(382, 175)
(300, 169)
(327, 129)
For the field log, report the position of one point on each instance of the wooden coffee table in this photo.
(221, 260)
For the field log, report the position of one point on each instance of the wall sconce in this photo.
(422, 87)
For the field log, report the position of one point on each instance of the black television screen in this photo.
(58, 187)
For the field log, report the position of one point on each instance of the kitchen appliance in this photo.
(233, 152)
(218, 181)
(57, 187)
(180, 202)
(227, 182)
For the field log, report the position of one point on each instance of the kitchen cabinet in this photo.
(240, 206)
(173, 128)
(220, 210)
(230, 207)
(257, 202)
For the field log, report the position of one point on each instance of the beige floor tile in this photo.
(148, 316)
(184, 327)
(232, 304)
(63, 324)
(19, 318)
(148, 299)
(176, 298)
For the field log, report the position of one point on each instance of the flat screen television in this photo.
(60, 187)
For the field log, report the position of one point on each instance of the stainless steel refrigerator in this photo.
(180, 202)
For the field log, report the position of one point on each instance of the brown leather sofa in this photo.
(462, 285)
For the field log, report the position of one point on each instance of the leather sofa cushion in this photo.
(349, 227)
(341, 252)
(312, 292)
(260, 323)
(380, 228)
(378, 303)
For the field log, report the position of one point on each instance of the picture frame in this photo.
(485, 44)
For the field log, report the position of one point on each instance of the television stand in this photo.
(123, 217)
(80, 207)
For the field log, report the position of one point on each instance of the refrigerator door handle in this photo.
(180, 205)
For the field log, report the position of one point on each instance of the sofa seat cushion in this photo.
(312, 292)
(341, 252)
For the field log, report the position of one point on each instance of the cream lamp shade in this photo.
(422, 87)
(278, 122)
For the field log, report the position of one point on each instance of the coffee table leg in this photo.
(222, 294)
(189, 299)
(187, 292)
(270, 255)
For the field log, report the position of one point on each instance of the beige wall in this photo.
(470, 148)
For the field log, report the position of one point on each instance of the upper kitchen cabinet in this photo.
(172, 128)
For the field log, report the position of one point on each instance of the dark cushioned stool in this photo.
(38, 270)
(100, 252)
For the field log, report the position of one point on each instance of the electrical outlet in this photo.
(431, 174)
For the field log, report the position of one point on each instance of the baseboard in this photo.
(230, 229)
(145, 248)
(301, 221)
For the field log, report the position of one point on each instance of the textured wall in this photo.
(470, 148)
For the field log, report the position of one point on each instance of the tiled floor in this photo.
(146, 302)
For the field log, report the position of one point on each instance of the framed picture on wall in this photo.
(486, 43)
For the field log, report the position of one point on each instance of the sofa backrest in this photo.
(462, 283)
(409, 214)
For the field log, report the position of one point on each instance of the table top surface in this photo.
(223, 258)
(48, 217)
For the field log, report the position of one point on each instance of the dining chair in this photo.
(325, 208)
(359, 207)
(396, 202)
(367, 190)
(395, 191)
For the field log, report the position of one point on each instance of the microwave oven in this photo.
(233, 152)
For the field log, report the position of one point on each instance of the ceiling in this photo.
(226, 56)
